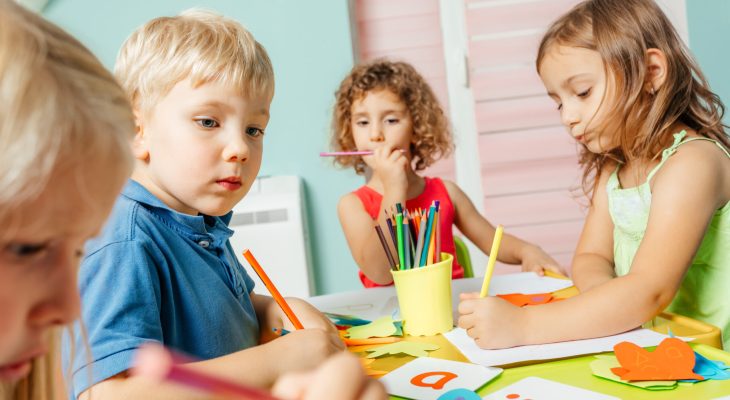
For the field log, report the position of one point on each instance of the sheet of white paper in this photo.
(465, 344)
(428, 378)
(376, 302)
(522, 282)
(534, 388)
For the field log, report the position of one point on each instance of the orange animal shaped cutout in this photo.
(521, 300)
(673, 359)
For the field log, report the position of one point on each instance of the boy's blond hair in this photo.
(198, 45)
(60, 109)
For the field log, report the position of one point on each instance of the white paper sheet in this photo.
(465, 344)
(377, 302)
(535, 388)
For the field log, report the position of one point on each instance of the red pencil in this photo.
(156, 362)
(272, 289)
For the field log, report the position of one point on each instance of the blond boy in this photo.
(163, 269)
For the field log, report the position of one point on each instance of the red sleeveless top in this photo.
(434, 190)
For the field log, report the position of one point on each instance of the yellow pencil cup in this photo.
(424, 297)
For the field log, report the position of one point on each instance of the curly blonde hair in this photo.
(621, 32)
(432, 138)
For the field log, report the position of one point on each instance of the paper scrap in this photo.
(415, 349)
(673, 359)
(535, 388)
(601, 368)
(381, 327)
(521, 300)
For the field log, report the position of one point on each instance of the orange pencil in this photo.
(272, 289)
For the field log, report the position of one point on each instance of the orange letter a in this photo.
(418, 380)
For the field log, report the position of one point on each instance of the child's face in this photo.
(200, 148)
(39, 257)
(381, 118)
(575, 78)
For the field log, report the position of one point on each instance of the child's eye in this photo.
(585, 93)
(560, 107)
(392, 121)
(207, 123)
(24, 250)
(254, 132)
(361, 122)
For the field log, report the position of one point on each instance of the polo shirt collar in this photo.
(192, 225)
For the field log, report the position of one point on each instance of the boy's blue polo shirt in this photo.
(158, 275)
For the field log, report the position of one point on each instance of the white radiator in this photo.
(271, 221)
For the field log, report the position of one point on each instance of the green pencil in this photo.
(399, 231)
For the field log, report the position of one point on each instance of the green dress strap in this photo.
(678, 141)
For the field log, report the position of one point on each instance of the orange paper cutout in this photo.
(672, 360)
(521, 300)
(446, 377)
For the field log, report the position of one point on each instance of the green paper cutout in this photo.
(415, 349)
(381, 327)
(601, 368)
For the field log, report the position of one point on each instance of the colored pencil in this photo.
(392, 233)
(437, 255)
(388, 254)
(407, 243)
(157, 363)
(492, 260)
(272, 289)
(345, 153)
(280, 331)
(419, 244)
(431, 247)
(427, 238)
(399, 235)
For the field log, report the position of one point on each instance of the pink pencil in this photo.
(345, 153)
(155, 362)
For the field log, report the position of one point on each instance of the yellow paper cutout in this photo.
(410, 348)
(381, 327)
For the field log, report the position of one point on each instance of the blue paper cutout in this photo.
(709, 369)
(460, 394)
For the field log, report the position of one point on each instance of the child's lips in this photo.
(231, 183)
(15, 371)
(21, 367)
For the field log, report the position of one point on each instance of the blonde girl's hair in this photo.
(622, 31)
(432, 138)
(60, 110)
(198, 45)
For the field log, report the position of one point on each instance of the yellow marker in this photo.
(492, 259)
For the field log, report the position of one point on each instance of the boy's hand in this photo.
(390, 166)
(536, 260)
(309, 316)
(303, 349)
(493, 323)
(341, 377)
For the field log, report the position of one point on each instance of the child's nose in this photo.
(60, 303)
(569, 116)
(376, 133)
(236, 150)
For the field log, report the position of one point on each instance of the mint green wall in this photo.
(310, 46)
(709, 38)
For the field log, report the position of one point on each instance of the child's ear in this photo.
(139, 144)
(656, 70)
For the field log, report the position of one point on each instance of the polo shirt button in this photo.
(204, 244)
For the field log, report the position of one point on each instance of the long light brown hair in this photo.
(431, 134)
(622, 31)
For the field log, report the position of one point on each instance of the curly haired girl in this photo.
(388, 109)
